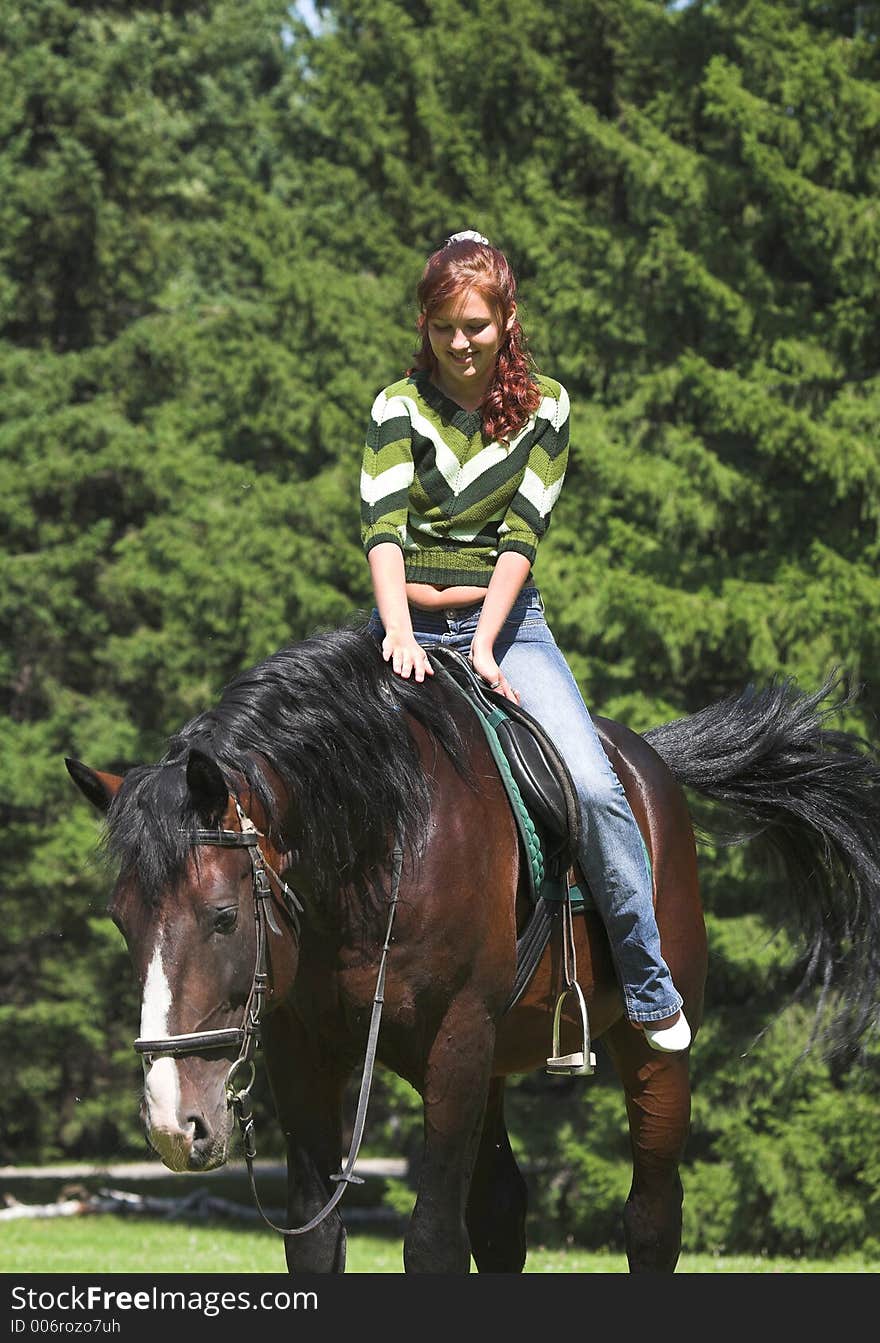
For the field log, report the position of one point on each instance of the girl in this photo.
(464, 460)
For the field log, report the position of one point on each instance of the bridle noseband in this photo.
(247, 1035)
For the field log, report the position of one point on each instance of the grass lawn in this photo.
(111, 1244)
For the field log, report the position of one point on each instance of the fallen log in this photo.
(196, 1206)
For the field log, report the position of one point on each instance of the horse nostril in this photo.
(200, 1130)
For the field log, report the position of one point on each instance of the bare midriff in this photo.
(431, 597)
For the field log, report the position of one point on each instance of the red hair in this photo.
(452, 271)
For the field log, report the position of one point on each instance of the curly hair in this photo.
(452, 271)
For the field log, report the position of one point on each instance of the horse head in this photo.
(200, 904)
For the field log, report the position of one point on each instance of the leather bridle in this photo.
(247, 1035)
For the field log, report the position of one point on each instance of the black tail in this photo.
(813, 795)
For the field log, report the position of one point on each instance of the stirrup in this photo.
(583, 1061)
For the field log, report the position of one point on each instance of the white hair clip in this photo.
(469, 235)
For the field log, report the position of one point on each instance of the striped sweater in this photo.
(452, 500)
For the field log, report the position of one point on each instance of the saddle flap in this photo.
(535, 763)
(541, 788)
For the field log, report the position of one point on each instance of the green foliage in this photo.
(211, 222)
(570, 1140)
(793, 1166)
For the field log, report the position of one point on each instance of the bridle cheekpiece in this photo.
(247, 1035)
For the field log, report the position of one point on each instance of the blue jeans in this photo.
(612, 855)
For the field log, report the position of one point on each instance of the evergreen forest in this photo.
(213, 216)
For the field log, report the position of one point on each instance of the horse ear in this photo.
(99, 788)
(207, 786)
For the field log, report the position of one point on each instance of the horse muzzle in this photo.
(186, 1114)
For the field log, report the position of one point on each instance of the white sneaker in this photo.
(670, 1039)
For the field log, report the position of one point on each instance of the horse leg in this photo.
(323, 1249)
(308, 1094)
(496, 1208)
(658, 1103)
(454, 1091)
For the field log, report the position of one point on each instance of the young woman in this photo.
(464, 460)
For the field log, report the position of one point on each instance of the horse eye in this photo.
(225, 919)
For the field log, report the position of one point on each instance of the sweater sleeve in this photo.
(387, 472)
(528, 516)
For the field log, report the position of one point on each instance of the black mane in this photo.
(330, 718)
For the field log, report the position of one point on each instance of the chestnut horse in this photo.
(325, 795)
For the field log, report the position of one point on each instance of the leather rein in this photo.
(247, 1035)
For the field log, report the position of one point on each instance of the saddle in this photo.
(544, 804)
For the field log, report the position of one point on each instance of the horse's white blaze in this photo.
(161, 1082)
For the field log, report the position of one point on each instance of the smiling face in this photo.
(465, 335)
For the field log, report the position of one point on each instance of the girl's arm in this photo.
(525, 522)
(510, 573)
(389, 585)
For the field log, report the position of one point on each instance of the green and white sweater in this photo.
(452, 500)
